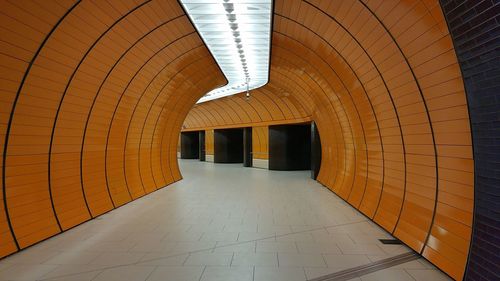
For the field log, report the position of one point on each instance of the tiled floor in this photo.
(222, 222)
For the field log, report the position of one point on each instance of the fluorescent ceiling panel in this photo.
(238, 34)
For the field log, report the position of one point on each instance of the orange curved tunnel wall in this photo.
(382, 82)
(93, 96)
(260, 142)
(94, 93)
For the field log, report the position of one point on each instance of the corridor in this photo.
(221, 222)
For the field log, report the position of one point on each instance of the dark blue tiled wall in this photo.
(475, 29)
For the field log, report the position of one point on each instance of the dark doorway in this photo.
(228, 146)
(202, 152)
(315, 151)
(190, 145)
(247, 147)
(290, 147)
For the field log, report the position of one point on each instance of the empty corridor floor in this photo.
(221, 222)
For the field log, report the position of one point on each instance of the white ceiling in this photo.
(238, 34)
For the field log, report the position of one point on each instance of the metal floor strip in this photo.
(368, 268)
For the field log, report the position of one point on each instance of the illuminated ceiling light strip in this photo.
(238, 34)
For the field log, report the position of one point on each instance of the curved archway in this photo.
(388, 99)
(94, 95)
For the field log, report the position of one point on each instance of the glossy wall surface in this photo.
(93, 96)
(209, 142)
(475, 29)
(260, 142)
(382, 82)
(266, 106)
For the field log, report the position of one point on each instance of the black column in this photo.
(202, 145)
(315, 151)
(190, 145)
(475, 27)
(290, 147)
(247, 147)
(228, 146)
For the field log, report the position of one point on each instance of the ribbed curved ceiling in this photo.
(238, 34)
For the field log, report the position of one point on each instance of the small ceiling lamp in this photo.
(248, 90)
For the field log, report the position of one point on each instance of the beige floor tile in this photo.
(183, 223)
(388, 274)
(111, 236)
(176, 273)
(73, 258)
(375, 258)
(88, 276)
(394, 250)
(301, 260)
(235, 247)
(276, 247)
(114, 259)
(428, 274)
(183, 237)
(315, 272)
(220, 236)
(152, 246)
(361, 249)
(342, 262)
(279, 274)
(255, 236)
(340, 238)
(197, 246)
(415, 264)
(32, 256)
(278, 229)
(318, 248)
(4, 265)
(22, 272)
(129, 273)
(240, 228)
(171, 228)
(103, 247)
(309, 229)
(146, 237)
(255, 259)
(216, 273)
(213, 227)
(363, 238)
(73, 272)
(163, 259)
(213, 259)
(295, 237)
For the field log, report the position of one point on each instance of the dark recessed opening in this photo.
(290, 147)
(190, 143)
(228, 145)
(390, 241)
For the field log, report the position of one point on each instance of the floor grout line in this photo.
(203, 272)
(199, 211)
(201, 250)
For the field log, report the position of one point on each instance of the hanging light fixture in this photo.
(248, 90)
(238, 34)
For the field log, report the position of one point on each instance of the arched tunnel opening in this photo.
(400, 103)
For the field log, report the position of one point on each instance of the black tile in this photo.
(475, 30)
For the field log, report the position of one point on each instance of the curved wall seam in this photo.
(379, 78)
